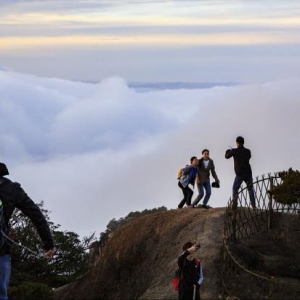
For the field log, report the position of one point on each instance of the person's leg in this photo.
(5, 269)
(207, 188)
(197, 296)
(189, 195)
(235, 190)
(185, 291)
(236, 186)
(200, 193)
(249, 183)
(182, 202)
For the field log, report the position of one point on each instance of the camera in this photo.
(198, 246)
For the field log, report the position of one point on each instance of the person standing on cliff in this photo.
(188, 177)
(205, 167)
(191, 273)
(242, 168)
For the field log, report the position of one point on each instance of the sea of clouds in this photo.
(94, 152)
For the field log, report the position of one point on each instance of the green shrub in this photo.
(289, 191)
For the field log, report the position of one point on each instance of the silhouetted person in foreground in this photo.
(242, 168)
(13, 196)
(191, 275)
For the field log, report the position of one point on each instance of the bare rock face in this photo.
(140, 258)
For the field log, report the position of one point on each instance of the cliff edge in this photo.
(140, 258)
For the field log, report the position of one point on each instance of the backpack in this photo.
(2, 226)
(176, 279)
(178, 272)
(180, 172)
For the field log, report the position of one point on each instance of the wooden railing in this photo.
(242, 222)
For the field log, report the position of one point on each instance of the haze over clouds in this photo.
(94, 152)
(161, 40)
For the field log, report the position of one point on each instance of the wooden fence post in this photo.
(234, 211)
(270, 203)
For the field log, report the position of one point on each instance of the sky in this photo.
(77, 134)
(150, 41)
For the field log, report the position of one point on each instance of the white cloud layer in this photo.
(94, 152)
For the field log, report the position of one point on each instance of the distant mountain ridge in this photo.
(176, 85)
(148, 86)
(157, 86)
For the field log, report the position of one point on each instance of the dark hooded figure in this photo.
(191, 275)
(13, 196)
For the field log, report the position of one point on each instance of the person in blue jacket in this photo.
(188, 177)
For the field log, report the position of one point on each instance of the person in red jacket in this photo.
(13, 196)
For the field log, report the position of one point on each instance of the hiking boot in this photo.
(198, 206)
(205, 206)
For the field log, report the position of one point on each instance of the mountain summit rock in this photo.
(140, 258)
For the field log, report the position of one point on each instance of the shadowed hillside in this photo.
(140, 258)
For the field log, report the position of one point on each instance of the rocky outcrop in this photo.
(140, 258)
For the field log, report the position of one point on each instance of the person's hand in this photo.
(49, 254)
(193, 249)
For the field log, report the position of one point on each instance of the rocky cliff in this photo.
(140, 258)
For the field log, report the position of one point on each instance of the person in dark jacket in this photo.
(188, 177)
(205, 167)
(191, 273)
(242, 168)
(13, 196)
